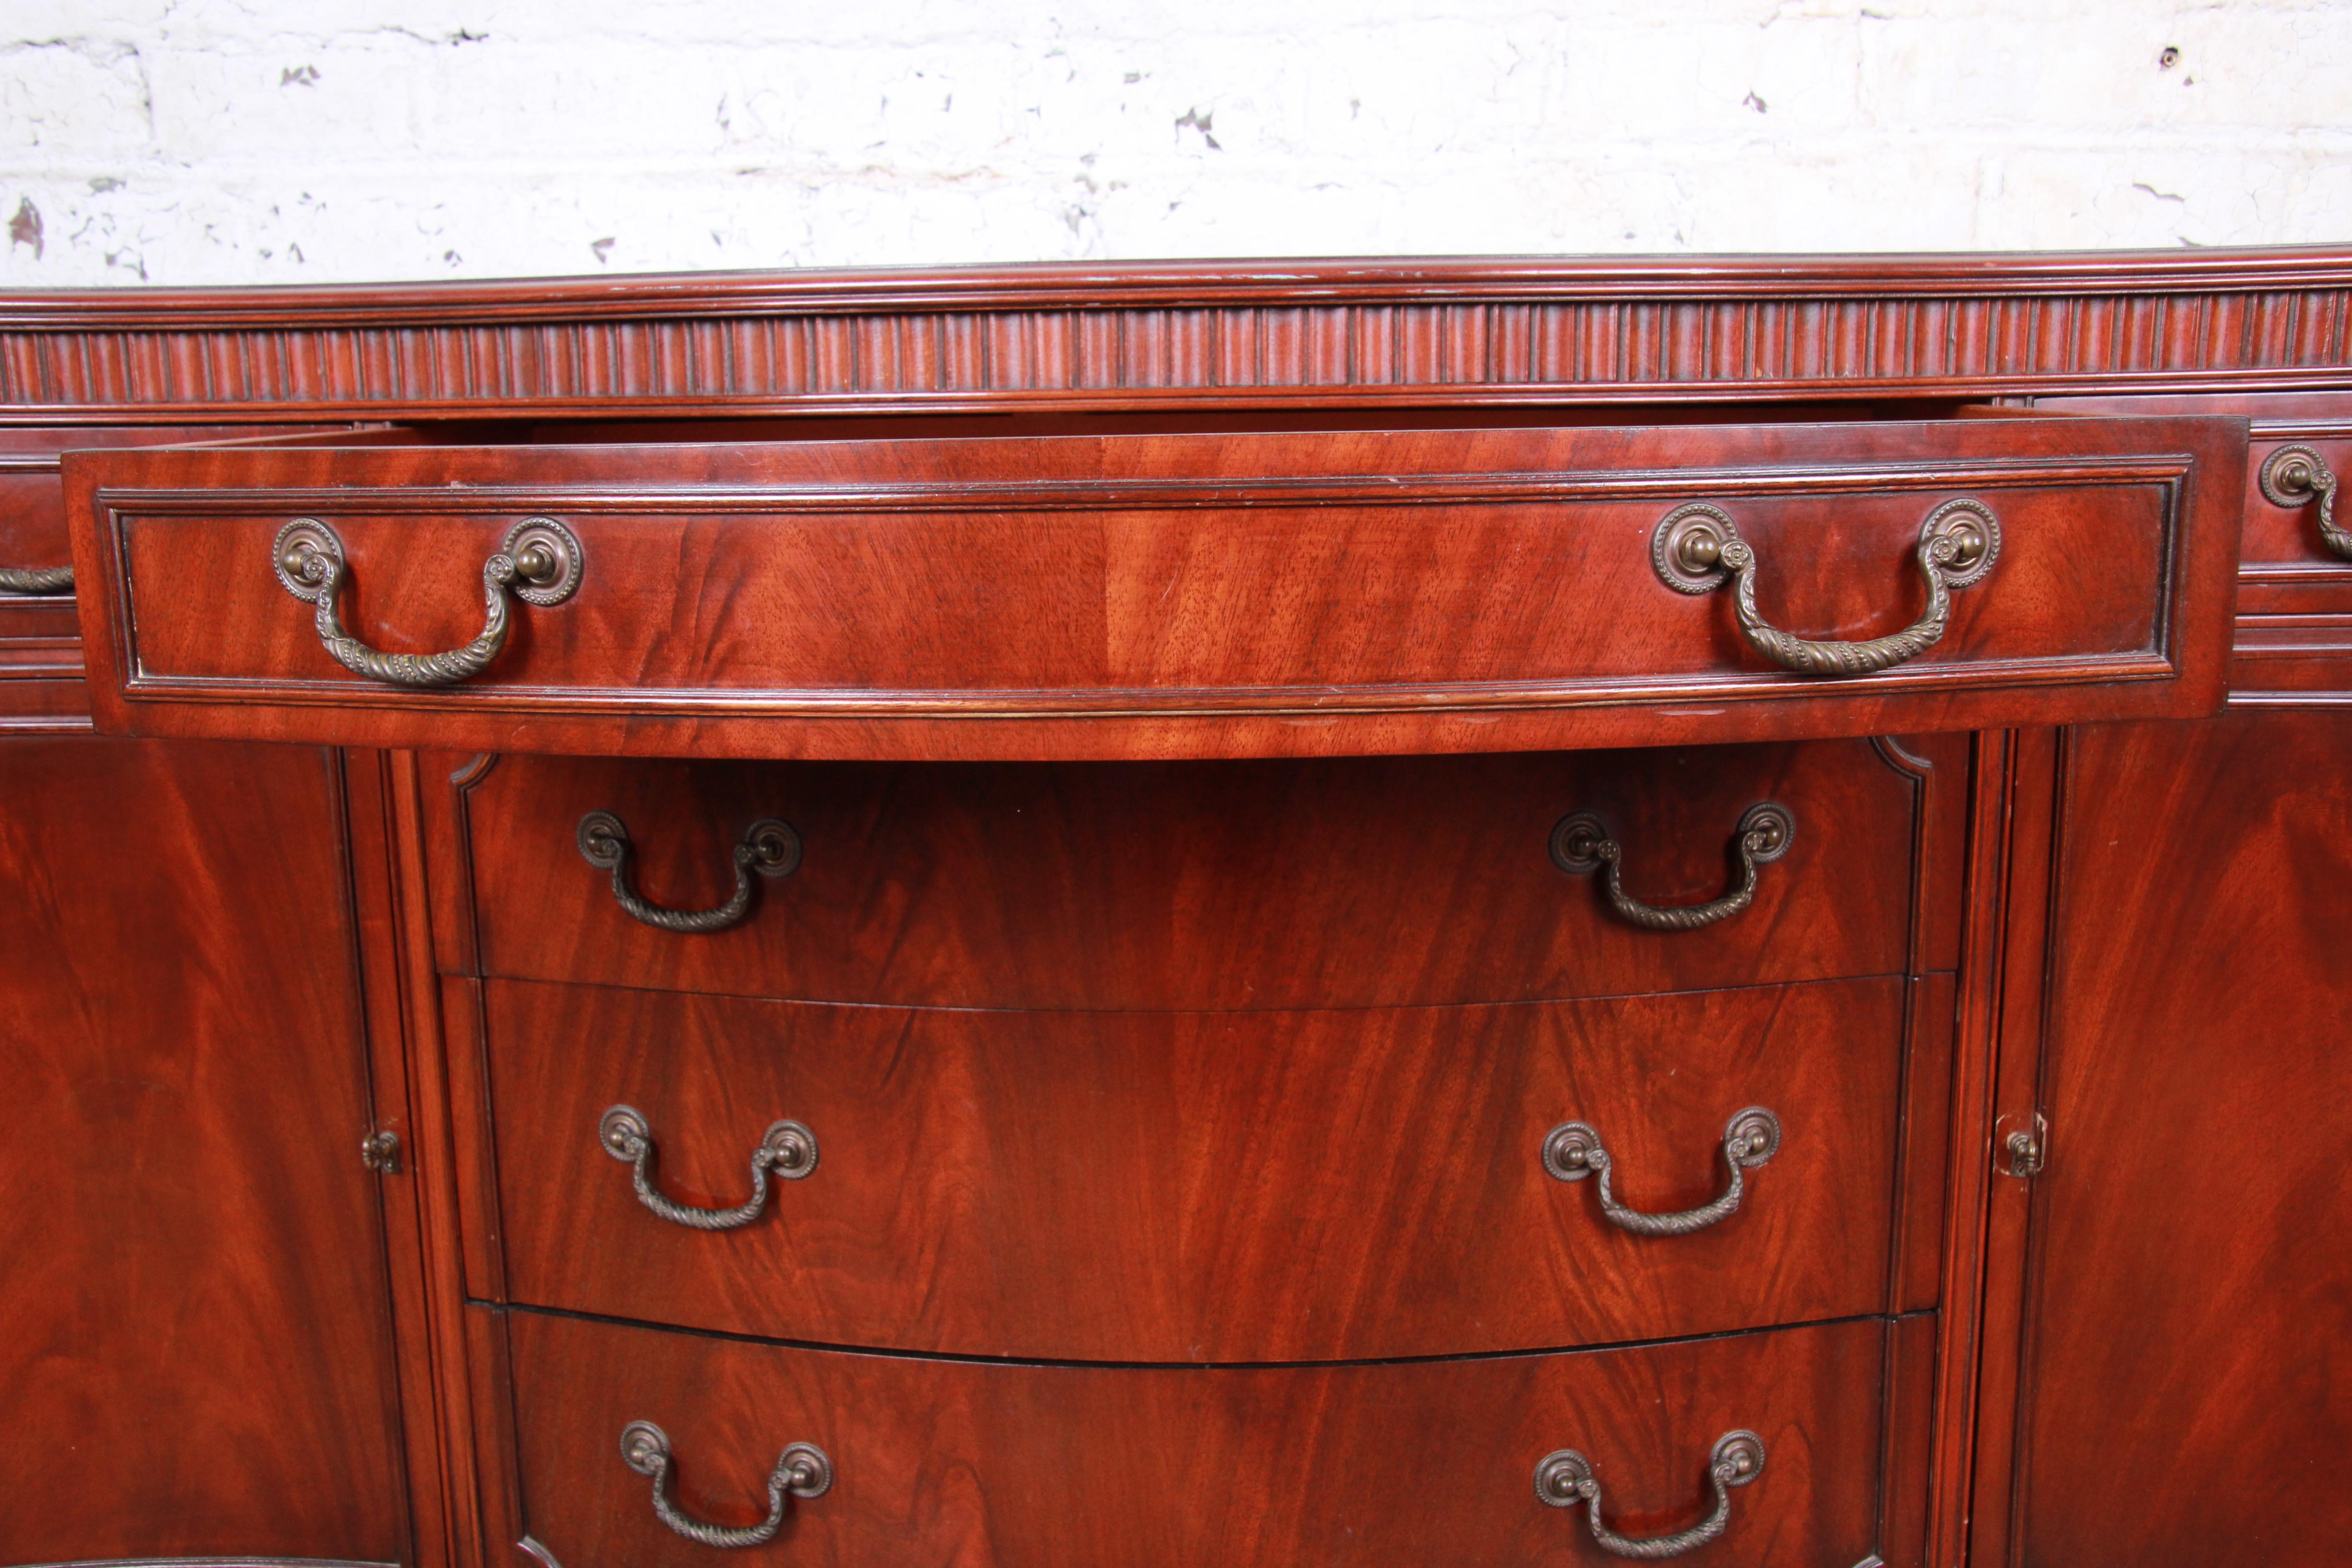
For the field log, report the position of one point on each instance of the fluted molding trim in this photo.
(1066, 337)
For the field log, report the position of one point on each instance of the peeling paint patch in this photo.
(24, 228)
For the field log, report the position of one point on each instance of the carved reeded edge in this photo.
(1465, 333)
(1126, 399)
(1166, 285)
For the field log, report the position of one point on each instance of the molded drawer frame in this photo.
(1294, 594)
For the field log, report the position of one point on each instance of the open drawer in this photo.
(1166, 595)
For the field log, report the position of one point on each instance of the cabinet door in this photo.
(195, 1351)
(2186, 1400)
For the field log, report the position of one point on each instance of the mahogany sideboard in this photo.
(1496, 913)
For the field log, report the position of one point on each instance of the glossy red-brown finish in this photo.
(1209, 884)
(1270, 334)
(1106, 1468)
(1909, 1424)
(2276, 537)
(198, 1358)
(1257, 1186)
(41, 690)
(1192, 592)
(2184, 1397)
(32, 507)
(2162, 1385)
(2295, 593)
(41, 687)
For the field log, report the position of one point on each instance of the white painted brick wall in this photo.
(217, 141)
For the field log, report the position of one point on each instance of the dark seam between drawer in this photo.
(966, 1357)
(1200, 1012)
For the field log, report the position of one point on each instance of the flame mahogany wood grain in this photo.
(1373, 334)
(199, 1358)
(1376, 882)
(1358, 591)
(2185, 1390)
(1044, 1467)
(1257, 1186)
(2160, 1384)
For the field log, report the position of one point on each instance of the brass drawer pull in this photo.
(1696, 548)
(788, 1149)
(1573, 1150)
(1565, 1480)
(802, 1470)
(768, 847)
(1580, 844)
(538, 563)
(2295, 477)
(37, 579)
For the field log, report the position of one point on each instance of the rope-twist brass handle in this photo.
(802, 1471)
(2293, 478)
(538, 563)
(1565, 1478)
(1696, 549)
(1581, 844)
(31, 580)
(1573, 1150)
(768, 847)
(788, 1149)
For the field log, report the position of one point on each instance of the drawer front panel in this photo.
(1205, 885)
(1225, 1187)
(40, 636)
(1035, 1467)
(33, 534)
(1201, 586)
(2276, 537)
(2294, 583)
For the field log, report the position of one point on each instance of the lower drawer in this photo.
(976, 1463)
(1329, 1184)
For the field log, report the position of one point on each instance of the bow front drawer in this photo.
(1234, 1188)
(651, 1448)
(1167, 594)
